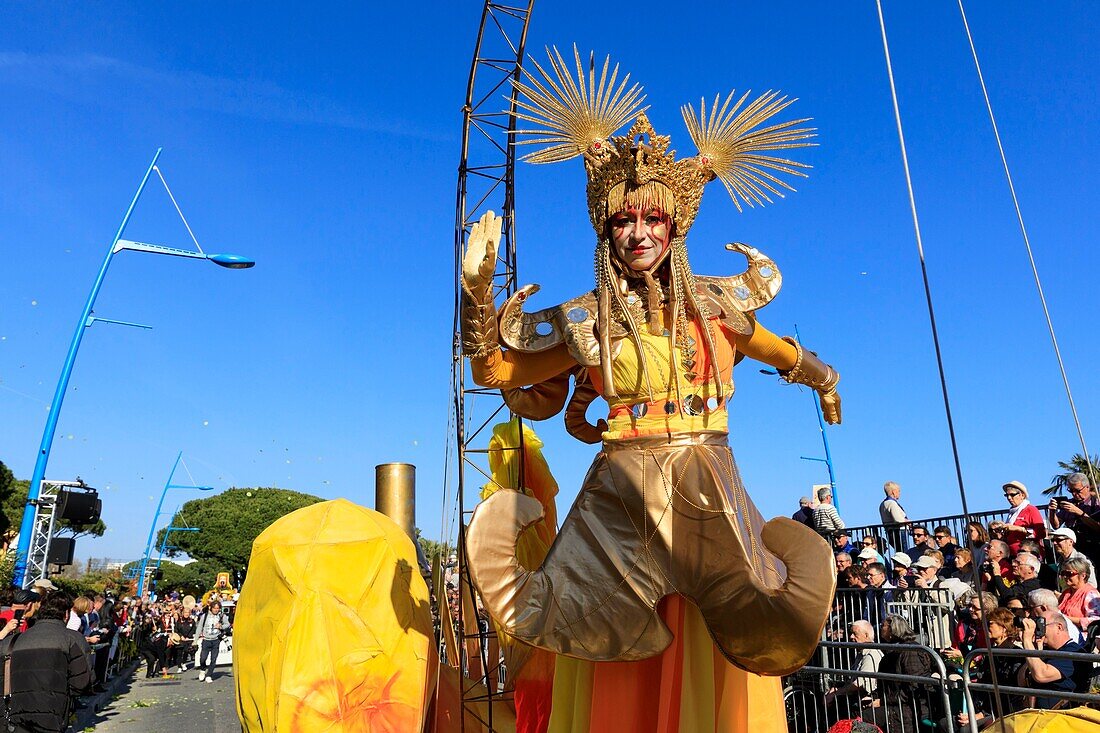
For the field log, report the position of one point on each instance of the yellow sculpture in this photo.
(333, 629)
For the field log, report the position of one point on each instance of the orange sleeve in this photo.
(506, 369)
(765, 346)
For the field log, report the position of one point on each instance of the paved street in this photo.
(178, 705)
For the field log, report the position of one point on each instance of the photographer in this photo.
(1051, 674)
(1081, 513)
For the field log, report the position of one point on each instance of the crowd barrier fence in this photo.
(931, 703)
(898, 537)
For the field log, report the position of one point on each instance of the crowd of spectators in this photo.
(58, 647)
(1028, 578)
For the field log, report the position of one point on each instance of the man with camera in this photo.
(1049, 632)
(1081, 513)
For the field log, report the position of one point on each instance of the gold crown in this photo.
(579, 115)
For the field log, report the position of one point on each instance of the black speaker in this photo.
(61, 551)
(79, 507)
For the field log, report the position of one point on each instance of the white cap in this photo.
(868, 554)
(1064, 532)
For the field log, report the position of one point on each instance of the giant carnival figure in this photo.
(673, 605)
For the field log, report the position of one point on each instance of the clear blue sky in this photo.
(324, 143)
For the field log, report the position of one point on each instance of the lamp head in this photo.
(233, 262)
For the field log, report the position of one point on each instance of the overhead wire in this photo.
(1027, 246)
(935, 339)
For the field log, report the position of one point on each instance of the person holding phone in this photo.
(1081, 513)
(23, 606)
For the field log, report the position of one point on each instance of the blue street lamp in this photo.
(828, 459)
(118, 244)
(153, 526)
(164, 546)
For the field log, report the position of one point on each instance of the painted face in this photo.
(639, 237)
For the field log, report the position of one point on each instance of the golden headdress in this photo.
(579, 116)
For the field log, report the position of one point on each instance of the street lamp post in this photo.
(153, 525)
(828, 459)
(164, 546)
(118, 244)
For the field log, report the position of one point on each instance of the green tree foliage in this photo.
(229, 522)
(433, 549)
(89, 584)
(194, 578)
(1077, 464)
(8, 485)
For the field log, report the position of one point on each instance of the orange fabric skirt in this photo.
(689, 688)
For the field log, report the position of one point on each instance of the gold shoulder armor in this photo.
(573, 322)
(730, 298)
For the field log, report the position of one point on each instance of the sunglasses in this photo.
(868, 543)
(1069, 574)
(941, 537)
(1010, 494)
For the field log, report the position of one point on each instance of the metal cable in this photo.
(178, 210)
(1027, 246)
(936, 343)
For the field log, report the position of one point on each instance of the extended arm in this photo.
(795, 365)
(490, 366)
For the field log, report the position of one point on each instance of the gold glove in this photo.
(480, 334)
(813, 372)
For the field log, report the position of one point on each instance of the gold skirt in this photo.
(657, 517)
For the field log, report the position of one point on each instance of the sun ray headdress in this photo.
(578, 116)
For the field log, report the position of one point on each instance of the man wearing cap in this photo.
(842, 543)
(936, 607)
(805, 513)
(892, 515)
(867, 556)
(1065, 545)
(826, 518)
(43, 587)
(1081, 513)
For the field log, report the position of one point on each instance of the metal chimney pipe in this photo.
(395, 494)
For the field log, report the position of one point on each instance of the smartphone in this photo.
(18, 616)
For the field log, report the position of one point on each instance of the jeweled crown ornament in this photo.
(579, 116)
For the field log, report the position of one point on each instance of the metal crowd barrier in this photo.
(969, 688)
(930, 611)
(809, 712)
(933, 702)
(898, 537)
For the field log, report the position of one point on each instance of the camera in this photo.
(1040, 626)
(987, 567)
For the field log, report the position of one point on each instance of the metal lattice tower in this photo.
(485, 181)
(42, 531)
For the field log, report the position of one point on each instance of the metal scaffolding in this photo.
(485, 181)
